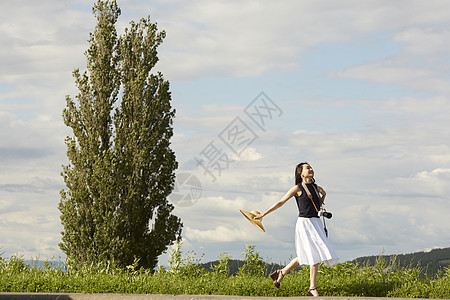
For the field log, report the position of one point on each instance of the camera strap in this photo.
(309, 194)
(325, 226)
(310, 197)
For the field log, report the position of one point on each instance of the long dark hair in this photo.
(298, 172)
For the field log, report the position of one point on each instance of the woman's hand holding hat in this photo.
(258, 216)
(254, 217)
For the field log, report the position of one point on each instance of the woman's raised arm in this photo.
(292, 192)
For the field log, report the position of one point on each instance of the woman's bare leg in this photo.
(312, 277)
(289, 267)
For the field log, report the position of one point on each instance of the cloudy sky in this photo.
(359, 89)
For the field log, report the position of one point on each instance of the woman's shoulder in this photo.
(320, 189)
(295, 190)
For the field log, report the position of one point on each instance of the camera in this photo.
(325, 214)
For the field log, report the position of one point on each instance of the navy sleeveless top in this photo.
(305, 207)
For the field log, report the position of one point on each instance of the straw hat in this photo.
(251, 217)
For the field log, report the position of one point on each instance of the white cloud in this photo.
(391, 71)
(249, 154)
(432, 183)
(383, 71)
(30, 223)
(419, 64)
(374, 155)
(260, 36)
(223, 234)
(428, 43)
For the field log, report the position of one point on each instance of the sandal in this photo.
(275, 276)
(311, 294)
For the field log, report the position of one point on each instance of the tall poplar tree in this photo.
(121, 169)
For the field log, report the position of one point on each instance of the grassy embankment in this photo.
(384, 279)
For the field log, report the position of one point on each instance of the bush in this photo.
(253, 263)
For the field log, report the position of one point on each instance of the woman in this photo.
(311, 244)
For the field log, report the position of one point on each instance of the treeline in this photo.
(235, 264)
(432, 263)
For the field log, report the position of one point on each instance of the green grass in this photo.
(345, 279)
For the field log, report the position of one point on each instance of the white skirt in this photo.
(311, 243)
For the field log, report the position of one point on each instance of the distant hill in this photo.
(431, 262)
